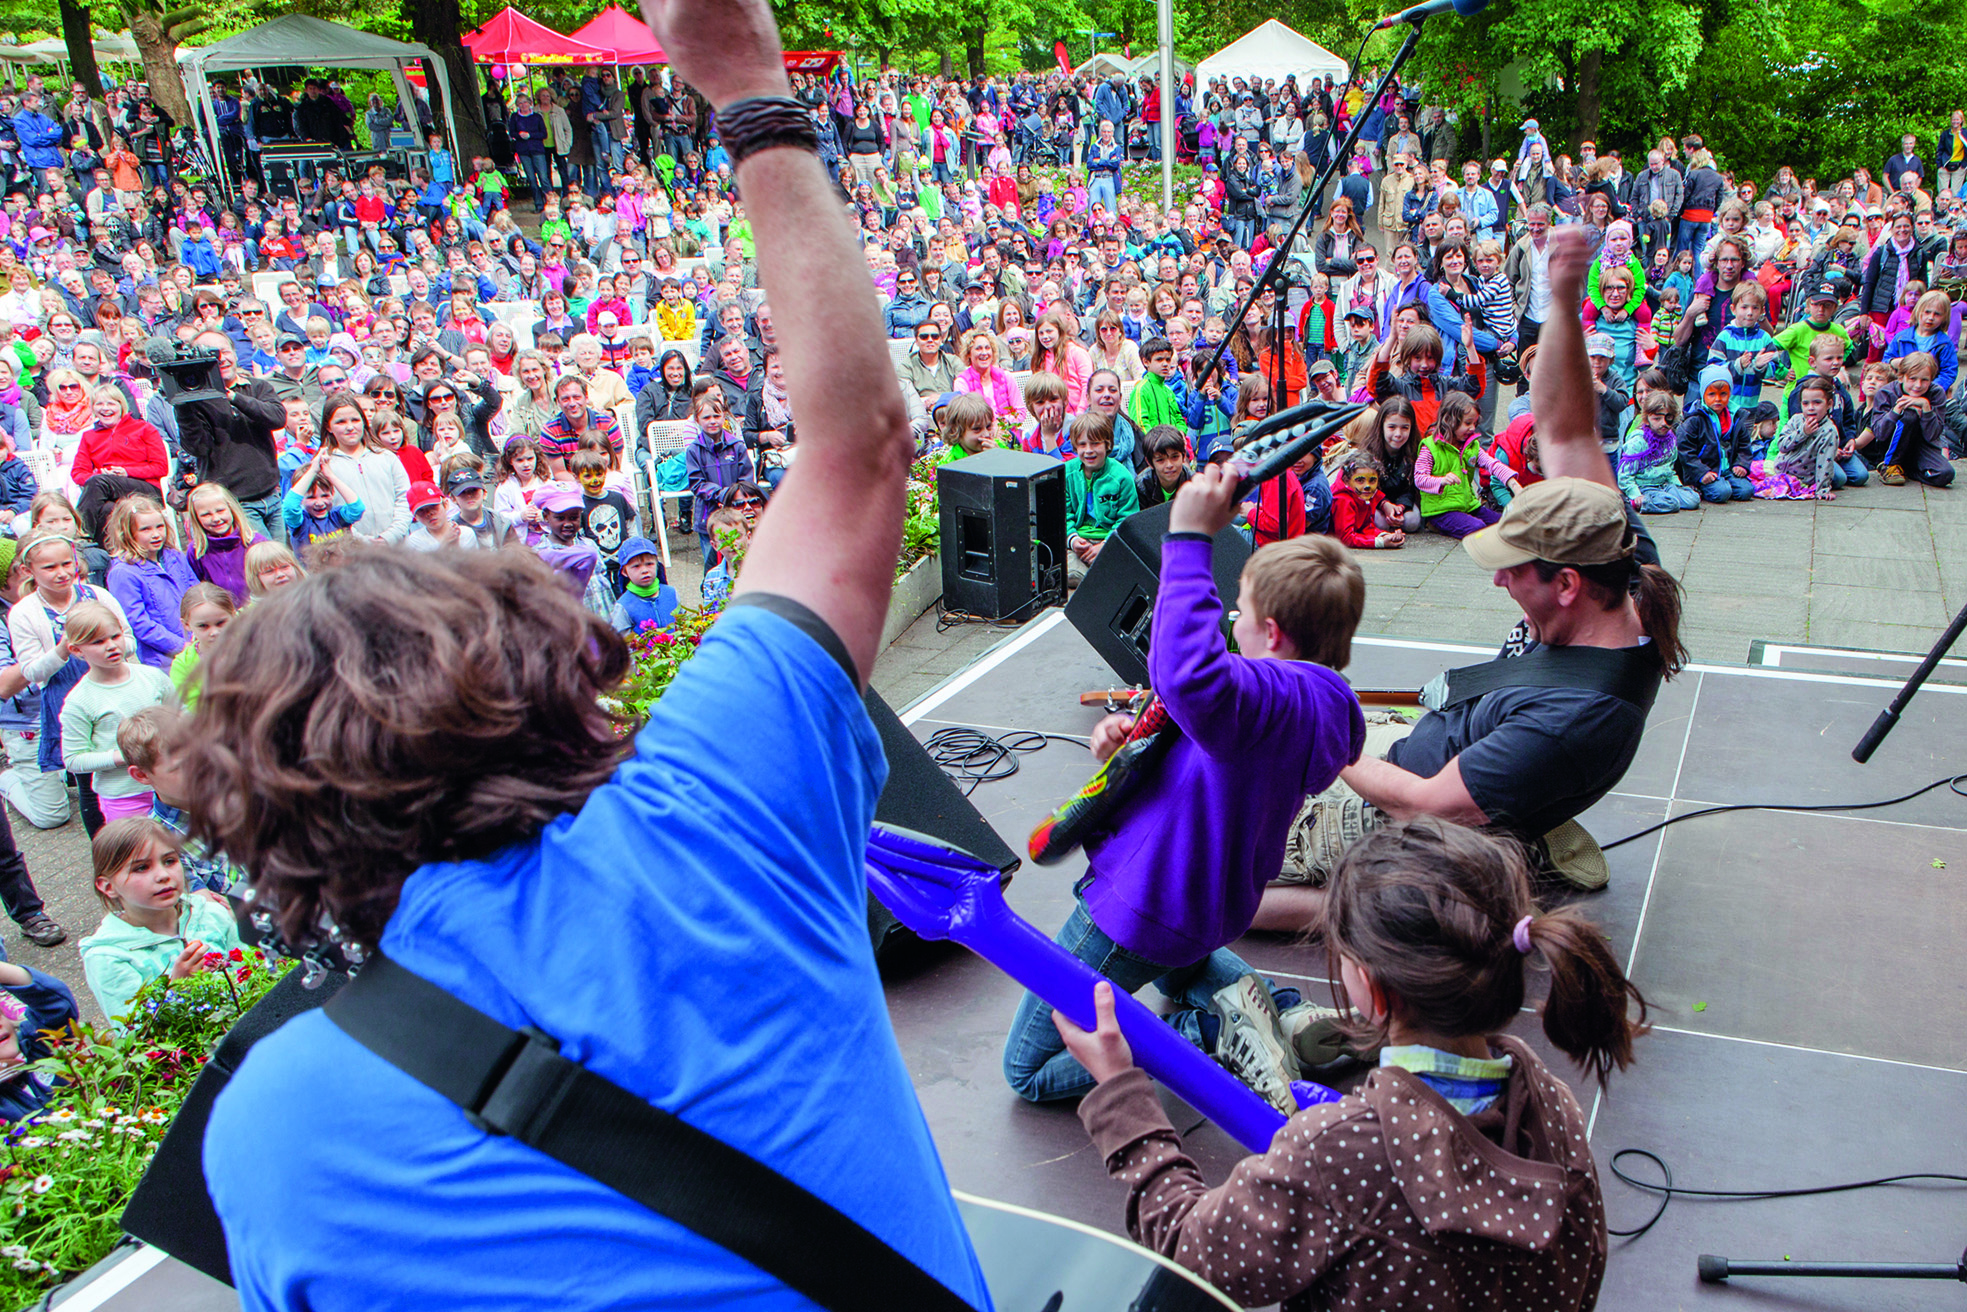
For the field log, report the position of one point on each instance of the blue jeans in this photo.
(534, 167)
(1036, 1063)
(1727, 488)
(1154, 140)
(1691, 236)
(1667, 500)
(1851, 470)
(605, 147)
(266, 516)
(1102, 189)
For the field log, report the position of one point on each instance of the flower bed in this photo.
(66, 1172)
(659, 653)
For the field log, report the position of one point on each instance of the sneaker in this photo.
(1251, 1045)
(1314, 1036)
(42, 931)
(1330, 823)
(1892, 476)
(1576, 857)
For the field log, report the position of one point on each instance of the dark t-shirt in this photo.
(1531, 758)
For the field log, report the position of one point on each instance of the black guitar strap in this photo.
(516, 1083)
(1628, 673)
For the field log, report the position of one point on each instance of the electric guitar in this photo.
(1035, 1262)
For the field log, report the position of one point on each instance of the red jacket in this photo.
(1352, 519)
(1263, 510)
(133, 445)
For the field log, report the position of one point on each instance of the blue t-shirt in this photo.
(696, 933)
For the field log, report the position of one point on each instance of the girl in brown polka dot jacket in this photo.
(1458, 1176)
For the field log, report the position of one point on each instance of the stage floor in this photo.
(1806, 972)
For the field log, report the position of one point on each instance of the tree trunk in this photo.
(81, 47)
(1590, 99)
(436, 24)
(973, 49)
(948, 64)
(160, 65)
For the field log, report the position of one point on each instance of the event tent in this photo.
(1271, 50)
(629, 37)
(512, 38)
(309, 42)
(115, 49)
(1107, 63)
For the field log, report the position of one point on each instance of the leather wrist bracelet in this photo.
(762, 122)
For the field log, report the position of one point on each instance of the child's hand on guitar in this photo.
(1109, 733)
(1103, 1051)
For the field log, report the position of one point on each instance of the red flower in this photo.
(236, 955)
(211, 959)
(245, 973)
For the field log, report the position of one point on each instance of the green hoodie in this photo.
(120, 958)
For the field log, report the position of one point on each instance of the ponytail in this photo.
(1443, 918)
(1657, 594)
(1586, 1014)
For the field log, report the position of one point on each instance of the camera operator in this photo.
(232, 440)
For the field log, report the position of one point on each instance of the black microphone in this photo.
(1422, 12)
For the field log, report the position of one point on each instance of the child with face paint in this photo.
(1360, 515)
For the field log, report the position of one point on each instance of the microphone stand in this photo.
(1276, 278)
(1889, 717)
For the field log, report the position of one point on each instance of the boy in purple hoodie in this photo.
(1181, 872)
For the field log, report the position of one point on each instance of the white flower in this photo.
(13, 1250)
(64, 1115)
(33, 1141)
(26, 1264)
(42, 1184)
(75, 1136)
(92, 1125)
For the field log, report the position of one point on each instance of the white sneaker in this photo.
(1251, 1045)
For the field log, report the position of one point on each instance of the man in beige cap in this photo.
(1526, 742)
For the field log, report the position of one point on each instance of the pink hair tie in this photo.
(1521, 936)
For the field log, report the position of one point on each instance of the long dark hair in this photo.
(1430, 908)
(1656, 594)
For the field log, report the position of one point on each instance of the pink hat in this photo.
(558, 497)
(39, 234)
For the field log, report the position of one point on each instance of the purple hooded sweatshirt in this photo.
(1184, 869)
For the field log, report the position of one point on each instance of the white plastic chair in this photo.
(666, 438)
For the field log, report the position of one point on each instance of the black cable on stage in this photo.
(1667, 1188)
(972, 757)
(1957, 782)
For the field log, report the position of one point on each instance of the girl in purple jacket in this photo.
(149, 576)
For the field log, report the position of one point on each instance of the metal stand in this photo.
(1274, 274)
(1714, 1270)
(1890, 715)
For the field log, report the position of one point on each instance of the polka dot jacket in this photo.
(1388, 1198)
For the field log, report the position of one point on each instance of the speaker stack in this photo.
(1003, 534)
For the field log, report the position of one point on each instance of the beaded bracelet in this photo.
(762, 122)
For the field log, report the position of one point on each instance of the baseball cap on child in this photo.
(423, 493)
(558, 497)
(464, 480)
(1600, 344)
(634, 547)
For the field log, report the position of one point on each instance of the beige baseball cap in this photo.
(1566, 521)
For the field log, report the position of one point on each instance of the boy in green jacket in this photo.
(1154, 400)
(1098, 493)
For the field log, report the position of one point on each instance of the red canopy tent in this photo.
(816, 62)
(511, 38)
(629, 37)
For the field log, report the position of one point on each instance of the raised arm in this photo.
(1561, 394)
(833, 532)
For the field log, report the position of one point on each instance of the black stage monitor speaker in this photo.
(1114, 603)
(1003, 533)
(172, 1208)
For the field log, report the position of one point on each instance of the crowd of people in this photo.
(400, 360)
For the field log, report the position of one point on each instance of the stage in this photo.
(1806, 971)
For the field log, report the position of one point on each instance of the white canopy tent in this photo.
(1271, 50)
(117, 48)
(310, 42)
(1106, 64)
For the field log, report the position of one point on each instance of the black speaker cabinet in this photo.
(1114, 604)
(1003, 533)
